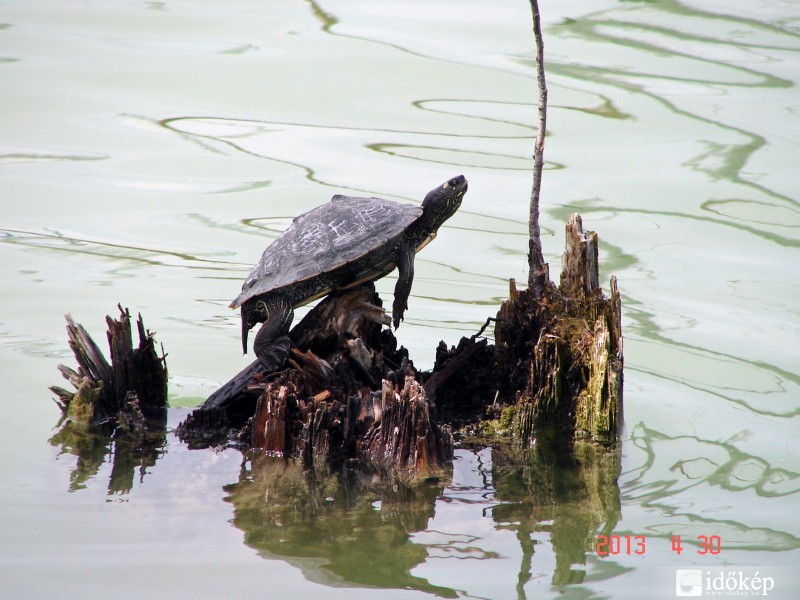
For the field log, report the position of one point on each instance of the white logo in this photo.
(688, 582)
(694, 582)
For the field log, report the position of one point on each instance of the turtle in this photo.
(344, 243)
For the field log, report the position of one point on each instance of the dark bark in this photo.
(346, 393)
(117, 413)
(128, 390)
(556, 365)
(564, 352)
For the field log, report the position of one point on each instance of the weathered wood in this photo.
(352, 314)
(580, 273)
(132, 385)
(329, 404)
(117, 413)
(273, 429)
(570, 384)
(391, 431)
(598, 408)
(558, 352)
(405, 435)
(464, 381)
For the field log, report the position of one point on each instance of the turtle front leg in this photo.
(402, 289)
(272, 343)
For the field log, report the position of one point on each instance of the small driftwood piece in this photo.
(127, 391)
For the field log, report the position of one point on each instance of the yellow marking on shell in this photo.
(445, 185)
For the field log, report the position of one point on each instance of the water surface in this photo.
(149, 151)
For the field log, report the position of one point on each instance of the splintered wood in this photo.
(126, 391)
(348, 393)
(390, 430)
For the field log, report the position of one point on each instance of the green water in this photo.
(148, 153)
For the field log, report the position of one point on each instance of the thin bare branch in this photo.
(538, 273)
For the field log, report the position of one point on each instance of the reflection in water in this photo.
(339, 528)
(356, 528)
(673, 123)
(128, 451)
(572, 503)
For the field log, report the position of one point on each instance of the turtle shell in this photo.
(346, 231)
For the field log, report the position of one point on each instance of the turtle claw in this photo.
(397, 315)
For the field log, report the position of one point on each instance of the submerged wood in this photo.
(125, 392)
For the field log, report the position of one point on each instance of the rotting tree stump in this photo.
(554, 375)
(348, 393)
(555, 371)
(573, 380)
(128, 391)
(118, 411)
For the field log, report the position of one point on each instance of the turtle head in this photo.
(442, 202)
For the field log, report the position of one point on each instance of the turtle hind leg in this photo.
(405, 277)
(272, 343)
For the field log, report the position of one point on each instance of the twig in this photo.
(537, 269)
(482, 329)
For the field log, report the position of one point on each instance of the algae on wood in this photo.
(554, 372)
(117, 412)
(574, 365)
(570, 386)
(134, 383)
